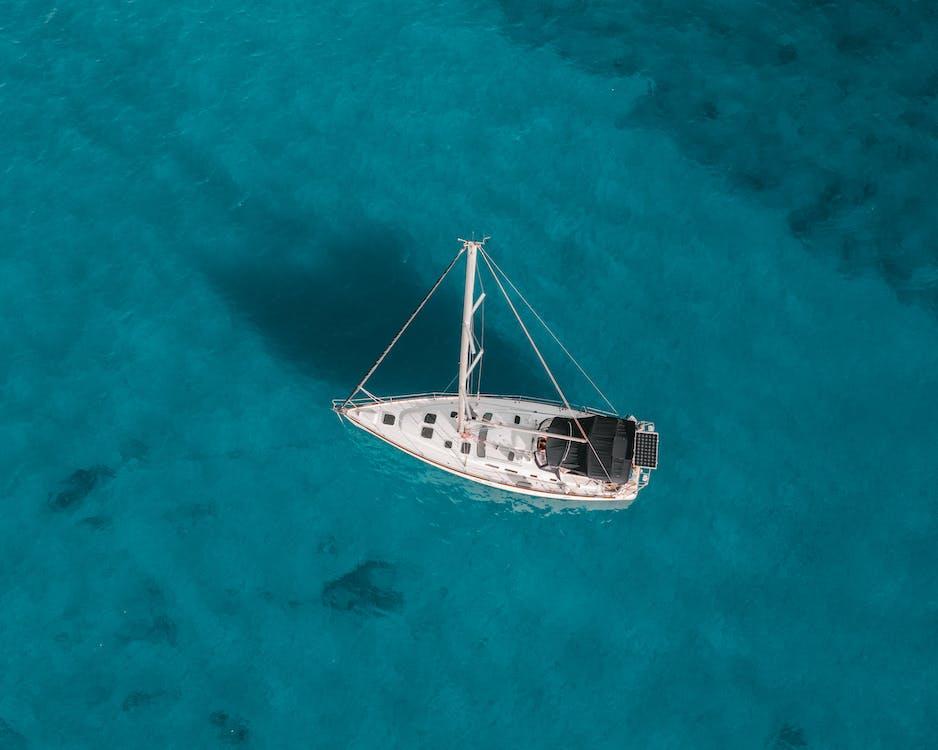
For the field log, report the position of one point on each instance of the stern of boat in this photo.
(644, 454)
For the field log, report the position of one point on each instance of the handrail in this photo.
(339, 402)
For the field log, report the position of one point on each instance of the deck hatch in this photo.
(388, 419)
(429, 418)
(646, 450)
(483, 434)
(426, 432)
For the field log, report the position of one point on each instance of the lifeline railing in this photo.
(339, 403)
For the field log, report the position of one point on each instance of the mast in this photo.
(466, 345)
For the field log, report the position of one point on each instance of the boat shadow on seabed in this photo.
(322, 316)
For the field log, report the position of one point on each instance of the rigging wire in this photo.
(559, 343)
(450, 383)
(400, 333)
(524, 328)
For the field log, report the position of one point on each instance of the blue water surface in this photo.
(215, 214)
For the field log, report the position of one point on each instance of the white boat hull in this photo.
(496, 448)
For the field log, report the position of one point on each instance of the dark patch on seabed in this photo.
(78, 485)
(146, 619)
(368, 589)
(157, 629)
(787, 738)
(231, 729)
(10, 739)
(97, 523)
(328, 545)
(825, 113)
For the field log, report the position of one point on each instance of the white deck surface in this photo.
(499, 455)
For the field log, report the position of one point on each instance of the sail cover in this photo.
(612, 439)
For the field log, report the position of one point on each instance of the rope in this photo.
(400, 333)
(524, 328)
(556, 340)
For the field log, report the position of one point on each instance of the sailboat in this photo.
(530, 446)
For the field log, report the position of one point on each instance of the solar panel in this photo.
(646, 450)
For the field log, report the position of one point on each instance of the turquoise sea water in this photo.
(215, 214)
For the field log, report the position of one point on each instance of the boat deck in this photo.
(497, 449)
